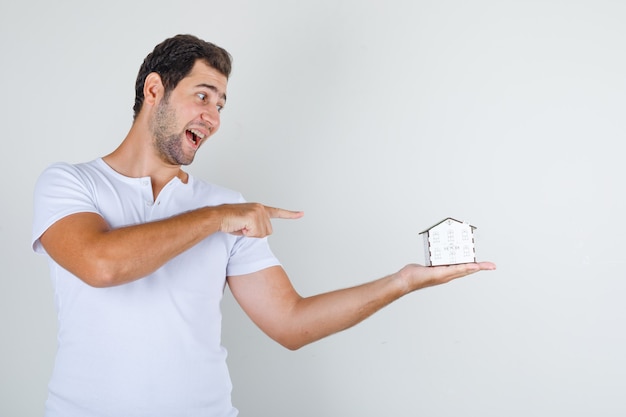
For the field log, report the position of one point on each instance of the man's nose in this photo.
(212, 116)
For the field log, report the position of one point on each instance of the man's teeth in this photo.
(196, 136)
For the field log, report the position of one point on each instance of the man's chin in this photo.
(188, 160)
(181, 160)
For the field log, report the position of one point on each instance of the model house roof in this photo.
(444, 220)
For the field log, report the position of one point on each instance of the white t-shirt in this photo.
(152, 347)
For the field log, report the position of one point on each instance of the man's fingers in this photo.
(487, 266)
(278, 213)
(469, 268)
(446, 273)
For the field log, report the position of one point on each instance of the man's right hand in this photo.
(252, 219)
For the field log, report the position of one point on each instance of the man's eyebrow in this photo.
(212, 88)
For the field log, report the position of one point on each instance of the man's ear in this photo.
(153, 89)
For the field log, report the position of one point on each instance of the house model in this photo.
(449, 242)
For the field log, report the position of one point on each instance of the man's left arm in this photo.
(270, 300)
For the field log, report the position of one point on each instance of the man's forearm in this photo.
(85, 245)
(329, 313)
(104, 257)
(325, 314)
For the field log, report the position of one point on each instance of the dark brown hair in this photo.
(173, 60)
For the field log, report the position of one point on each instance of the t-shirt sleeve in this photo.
(60, 191)
(250, 255)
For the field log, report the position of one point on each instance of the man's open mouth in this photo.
(195, 136)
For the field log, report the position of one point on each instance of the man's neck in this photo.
(136, 158)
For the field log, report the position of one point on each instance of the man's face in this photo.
(186, 118)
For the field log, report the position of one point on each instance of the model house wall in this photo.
(449, 242)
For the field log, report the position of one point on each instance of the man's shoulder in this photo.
(71, 168)
(59, 171)
(219, 191)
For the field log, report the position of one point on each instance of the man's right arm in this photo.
(85, 245)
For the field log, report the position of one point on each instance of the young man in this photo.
(140, 252)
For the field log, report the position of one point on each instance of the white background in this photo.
(378, 119)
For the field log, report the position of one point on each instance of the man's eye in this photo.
(219, 108)
(202, 96)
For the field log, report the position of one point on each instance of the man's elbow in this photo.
(292, 346)
(98, 278)
(101, 273)
(293, 341)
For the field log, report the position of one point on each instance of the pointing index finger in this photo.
(278, 213)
